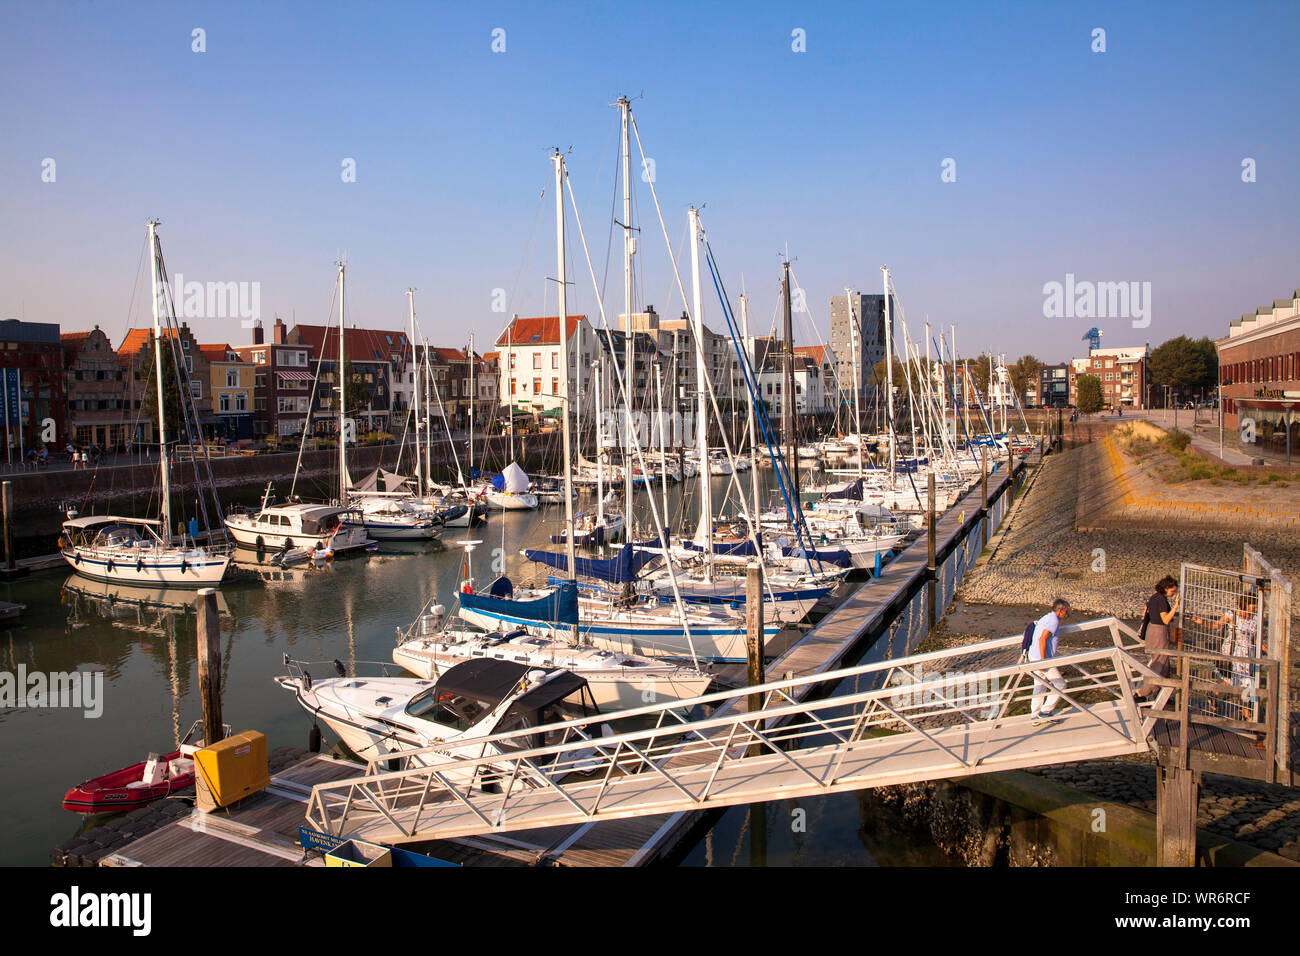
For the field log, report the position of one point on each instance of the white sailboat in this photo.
(137, 551)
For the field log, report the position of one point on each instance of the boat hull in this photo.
(191, 569)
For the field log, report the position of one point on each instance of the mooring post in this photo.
(1178, 792)
(209, 654)
(754, 637)
(7, 495)
(929, 532)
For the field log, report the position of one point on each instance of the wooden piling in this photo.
(209, 655)
(1011, 474)
(754, 649)
(1178, 791)
(7, 495)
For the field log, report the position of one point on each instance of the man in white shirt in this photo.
(1042, 648)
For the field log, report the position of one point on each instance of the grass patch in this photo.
(1176, 441)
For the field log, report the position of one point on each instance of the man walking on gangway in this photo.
(1044, 648)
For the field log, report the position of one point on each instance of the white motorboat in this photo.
(384, 717)
(617, 681)
(385, 519)
(312, 526)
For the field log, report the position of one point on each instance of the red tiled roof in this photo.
(540, 330)
(815, 352)
(217, 353)
(360, 345)
(136, 339)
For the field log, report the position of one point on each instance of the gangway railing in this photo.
(943, 714)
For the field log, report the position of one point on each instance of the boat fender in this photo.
(260, 543)
(184, 566)
(305, 681)
(339, 668)
(139, 563)
(313, 739)
(109, 566)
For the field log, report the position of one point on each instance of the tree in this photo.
(356, 395)
(1024, 374)
(171, 391)
(1182, 363)
(1089, 394)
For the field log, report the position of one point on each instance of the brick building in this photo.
(1259, 371)
(1123, 374)
(35, 351)
(95, 384)
(281, 384)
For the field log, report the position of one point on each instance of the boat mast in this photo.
(600, 449)
(663, 450)
(343, 395)
(857, 376)
(788, 403)
(558, 159)
(415, 379)
(889, 376)
(625, 110)
(162, 412)
(473, 367)
(705, 527)
(428, 405)
(753, 434)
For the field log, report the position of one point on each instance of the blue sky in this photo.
(1115, 166)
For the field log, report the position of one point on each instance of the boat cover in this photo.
(380, 480)
(620, 569)
(560, 606)
(516, 481)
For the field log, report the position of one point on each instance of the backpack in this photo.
(1028, 640)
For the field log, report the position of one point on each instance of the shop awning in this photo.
(294, 376)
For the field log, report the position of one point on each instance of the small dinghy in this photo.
(140, 784)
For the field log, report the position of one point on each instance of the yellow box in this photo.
(359, 853)
(231, 769)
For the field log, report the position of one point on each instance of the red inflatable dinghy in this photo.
(133, 786)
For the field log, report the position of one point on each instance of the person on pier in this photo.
(1043, 648)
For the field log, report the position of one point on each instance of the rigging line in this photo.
(661, 533)
(135, 286)
(530, 248)
(793, 507)
(188, 392)
(707, 384)
(311, 398)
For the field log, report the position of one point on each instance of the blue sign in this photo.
(13, 407)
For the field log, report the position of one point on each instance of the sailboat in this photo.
(136, 550)
(326, 529)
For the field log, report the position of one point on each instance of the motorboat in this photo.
(618, 681)
(158, 776)
(312, 526)
(383, 717)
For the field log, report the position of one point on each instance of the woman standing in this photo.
(1162, 606)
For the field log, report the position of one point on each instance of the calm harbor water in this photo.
(349, 611)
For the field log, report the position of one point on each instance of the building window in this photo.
(196, 389)
(537, 360)
(555, 386)
(241, 402)
(555, 360)
(223, 402)
(232, 378)
(537, 386)
(513, 389)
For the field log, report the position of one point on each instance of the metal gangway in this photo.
(939, 715)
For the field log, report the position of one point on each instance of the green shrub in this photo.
(1177, 440)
